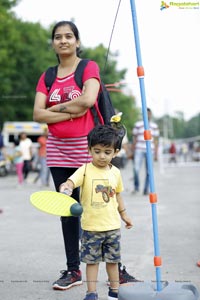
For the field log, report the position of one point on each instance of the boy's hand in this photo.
(66, 187)
(128, 221)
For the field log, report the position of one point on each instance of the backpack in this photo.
(105, 105)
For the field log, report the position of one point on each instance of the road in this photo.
(31, 245)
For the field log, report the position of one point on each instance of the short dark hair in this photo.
(104, 135)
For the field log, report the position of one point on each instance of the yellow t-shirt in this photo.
(98, 197)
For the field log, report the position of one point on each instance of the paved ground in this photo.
(31, 246)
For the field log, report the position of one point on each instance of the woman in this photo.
(66, 110)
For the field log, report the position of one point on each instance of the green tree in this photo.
(177, 127)
(24, 54)
(193, 126)
(7, 4)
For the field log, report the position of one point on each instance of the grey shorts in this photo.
(100, 246)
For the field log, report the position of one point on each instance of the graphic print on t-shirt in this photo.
(64, 95)
(101, 192)
(55, 97)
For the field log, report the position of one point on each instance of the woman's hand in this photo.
(59, 109)
(42, 114)
(82, 103)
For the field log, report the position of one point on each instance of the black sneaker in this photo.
(112, 295)
(124, 277)
(67, 280)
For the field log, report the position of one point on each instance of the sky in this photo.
(169, 43)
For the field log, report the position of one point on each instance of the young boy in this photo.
(103, 206)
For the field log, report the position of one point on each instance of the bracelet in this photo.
(121, 211)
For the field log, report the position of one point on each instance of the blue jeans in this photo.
(44, 171)
(139, 156)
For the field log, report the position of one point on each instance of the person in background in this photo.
(184, 151)
(44, 172)
(25, 144)
(139, 150)
(103, 207)
(172, 153)
(19, 162)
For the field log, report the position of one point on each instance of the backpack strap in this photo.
(50, 76)
(78, 75)
(51, 73)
